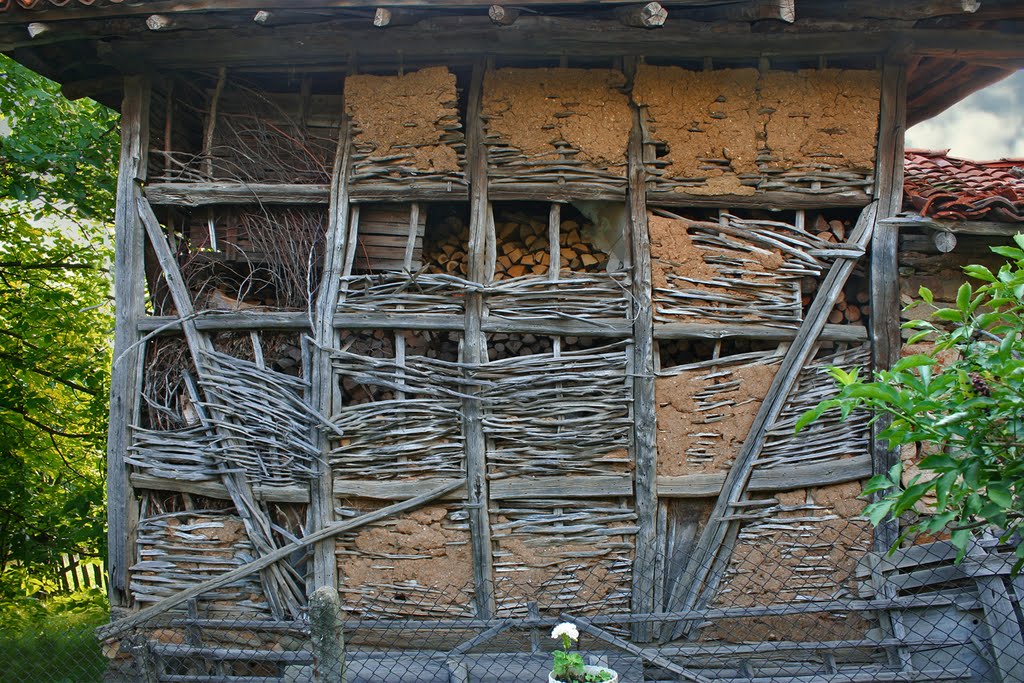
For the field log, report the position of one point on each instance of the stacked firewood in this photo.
(445, 250)
(524, 248)
(851, 306)
(372, 344)
(501, 345)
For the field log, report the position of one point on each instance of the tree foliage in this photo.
(57, 175)
(966, 415)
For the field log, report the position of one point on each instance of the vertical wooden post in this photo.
(475, 351)
(326, 635)
(646, 579)
(321, 494)
(129, 296)
(885, 289)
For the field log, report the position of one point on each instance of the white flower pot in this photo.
(591, 670)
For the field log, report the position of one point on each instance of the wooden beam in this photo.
(885, 290)
(214, 193)
(770, 480)
(888, 9)
(752, 10)
(647, 15)
(848, 333)
(475, 352)
(648, 562)
(993, 228)
(126, 373)
(384, 17)
(321, 374)
(117, 628)
(215, 489)
(774, 200)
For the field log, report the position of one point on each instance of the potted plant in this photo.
(568, 665)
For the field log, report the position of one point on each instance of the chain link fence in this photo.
(800, 600)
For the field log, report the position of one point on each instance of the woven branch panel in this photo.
(270, 426)
(421, 294)
(551, 416)
(178, 454)
(178, 550)
(732, 271)
(829, 437)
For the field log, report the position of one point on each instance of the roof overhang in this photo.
(951, 47)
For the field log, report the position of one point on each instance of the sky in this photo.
(986, 126)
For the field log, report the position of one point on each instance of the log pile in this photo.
(852, 305)
(556, 127)
(446, 248)
(407, 130)
(368, 344)
(741, 131)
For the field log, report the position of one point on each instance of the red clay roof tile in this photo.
(938, 185)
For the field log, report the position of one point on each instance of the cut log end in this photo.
(37, 28)
(381, 17)
(159, 22)
(262, 17)
(502, 16)
(648, 15)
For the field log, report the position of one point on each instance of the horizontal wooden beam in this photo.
(215, 489)
(761, 200)
(202, 194)
(848, 333)
(994, 228)
(768, 480)
(250, 45)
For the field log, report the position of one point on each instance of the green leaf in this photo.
(1000, 495)
(979, 272)
(950, 315)
(963, 296)
(1009, 252)
(925, 294)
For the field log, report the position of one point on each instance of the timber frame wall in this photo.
(135, 218)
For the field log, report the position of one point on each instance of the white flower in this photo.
(566, 629)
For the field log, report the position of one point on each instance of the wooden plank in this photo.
(709, 558)
(782, 479)
(475, 352)
(513, 488)
(762, 200)
(321, 375)
(210, 194)
(647, 563)
(216, 321)
(126, 372)
(993, 228)
(118, 627)
(847, 333)
(885, 287)
(214, 489)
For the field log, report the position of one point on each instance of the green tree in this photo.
(57, 176)
(966, 416)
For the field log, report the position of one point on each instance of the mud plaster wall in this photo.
(404, 114)
(806, 548)
(540, 110)
(735, 115)
(692, 440)
(414, 564)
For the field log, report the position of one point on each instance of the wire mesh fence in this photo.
(801, 602)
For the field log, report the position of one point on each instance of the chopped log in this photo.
(503, 16)
(944, 241)
(159, 22)
(37, 28)
(384, 17)
(648, 15)
(262, 17)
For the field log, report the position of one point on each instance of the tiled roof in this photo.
(938, 185)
